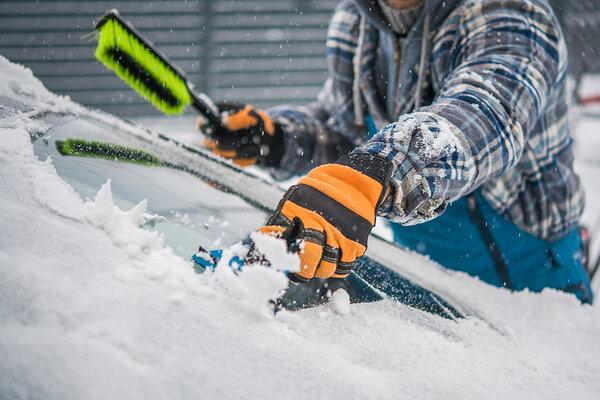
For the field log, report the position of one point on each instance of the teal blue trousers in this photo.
(454, 240)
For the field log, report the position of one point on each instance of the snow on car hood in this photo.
(93, 306)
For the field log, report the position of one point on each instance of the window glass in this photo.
(193, 213)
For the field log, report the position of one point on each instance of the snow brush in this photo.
(123, 49)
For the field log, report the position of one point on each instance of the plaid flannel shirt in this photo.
(495, 117)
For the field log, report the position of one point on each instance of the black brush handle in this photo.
(206, 107)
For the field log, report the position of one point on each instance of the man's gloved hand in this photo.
(330, 214)
(249, 136)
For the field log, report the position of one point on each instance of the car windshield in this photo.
(190, 212)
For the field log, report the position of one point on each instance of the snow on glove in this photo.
(332, 211)
(249, 137)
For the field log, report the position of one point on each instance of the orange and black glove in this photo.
(330, 213)
(249, 136)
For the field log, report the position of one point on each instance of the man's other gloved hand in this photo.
(330, 214)
(249, 137)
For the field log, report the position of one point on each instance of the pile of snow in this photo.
(92, 306)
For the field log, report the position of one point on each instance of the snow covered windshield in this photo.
(187, 211)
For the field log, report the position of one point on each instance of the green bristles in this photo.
(121, 51)
(109, 151)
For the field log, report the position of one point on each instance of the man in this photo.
(448, 117)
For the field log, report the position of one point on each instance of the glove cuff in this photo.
(373, 166)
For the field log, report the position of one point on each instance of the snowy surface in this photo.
(94, 307)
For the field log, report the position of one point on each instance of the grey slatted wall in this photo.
(261, 51)
(268, 51)
(581, 23)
